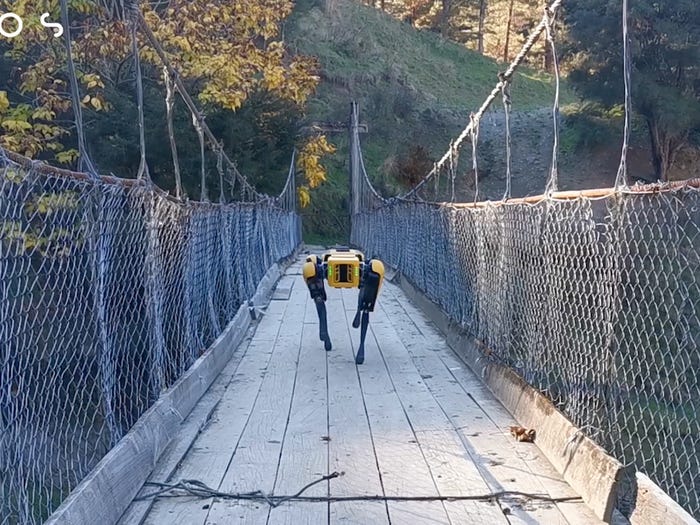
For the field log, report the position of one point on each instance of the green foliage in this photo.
(359, 46)
(498, 24)
(38, 234)
(588, 125)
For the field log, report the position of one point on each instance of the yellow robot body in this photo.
(378, 268)
(343, 268)
(309, 269)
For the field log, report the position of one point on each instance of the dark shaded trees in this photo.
(664, 36)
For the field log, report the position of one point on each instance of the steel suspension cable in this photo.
(505, 77)
(84, 162)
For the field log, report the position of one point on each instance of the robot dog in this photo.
(344, 268)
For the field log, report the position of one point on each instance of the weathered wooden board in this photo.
(351, 449)
(653, 505)
(255, 461)
(183, 440)
(453, 469)
(304, 456)
(212, 451)
(283, 290)
(195, 423)
(505, 463)
(411, 421)
(108, 490)
(402, 466)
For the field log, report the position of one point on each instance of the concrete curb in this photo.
(105, 493)
(653, 505)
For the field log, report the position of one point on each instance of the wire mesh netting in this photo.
(108, 293)
(595, 302)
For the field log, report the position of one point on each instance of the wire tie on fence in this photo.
(569, 442)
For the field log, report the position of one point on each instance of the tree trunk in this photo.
(664, 148)
(445, 18)
(506, 51)
(482, 19)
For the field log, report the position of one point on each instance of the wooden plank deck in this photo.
(411, 421)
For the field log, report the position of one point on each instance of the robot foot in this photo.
(323, 336)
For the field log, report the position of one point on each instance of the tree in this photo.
(233, 49)
(482, 20)
(506, 47)
(226, 52)
(665, 72)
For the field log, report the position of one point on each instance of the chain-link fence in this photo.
(108, 293)
(594, 301)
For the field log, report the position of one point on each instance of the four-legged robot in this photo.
(344, 268)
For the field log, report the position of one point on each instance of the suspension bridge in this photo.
(160, 358)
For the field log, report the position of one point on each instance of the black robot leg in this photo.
(313, 276)
(371, 281)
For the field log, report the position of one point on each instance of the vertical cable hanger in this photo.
(621, 179)
(220, 170)
(84, 162)
(204, 196)
(133, 13)
(169, 109)
(452, 168)
(437, 184)
(507, 104)
(474, 133)
(553, 182)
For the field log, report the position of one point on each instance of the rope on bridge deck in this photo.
(193, 487)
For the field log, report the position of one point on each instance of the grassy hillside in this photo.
(413, 88)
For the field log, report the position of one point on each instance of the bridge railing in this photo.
(109, 291)
(593, 300)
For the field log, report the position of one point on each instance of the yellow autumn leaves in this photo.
(309, 165)
(4, 102)
(34, 107)
(227, 49)
(233, 49)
